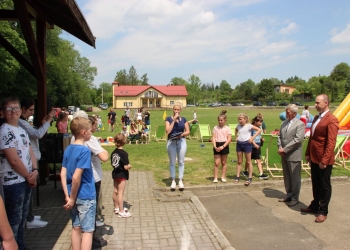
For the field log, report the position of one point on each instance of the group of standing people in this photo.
(319, 151)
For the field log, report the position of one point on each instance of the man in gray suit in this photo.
(290, 142)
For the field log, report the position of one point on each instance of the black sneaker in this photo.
(263, 177)
(98, 242)
(245, 173)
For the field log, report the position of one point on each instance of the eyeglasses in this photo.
(15, 109)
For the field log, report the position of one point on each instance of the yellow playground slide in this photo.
(343, 112)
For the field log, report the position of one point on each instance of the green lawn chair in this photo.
(193, 132)
(233, 128)
(160, 134)
(205, 132)
(304, 164)
(273, 159)
(264, 147)
(338, 150)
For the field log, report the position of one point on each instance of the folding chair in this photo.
(338, 150)
(273, 159)
(233, 128)
(205, 132)
(264, 147)
(304, 164)
(193, 132)
(160, 134)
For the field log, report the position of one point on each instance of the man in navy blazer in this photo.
(290, 144)
(320, 154)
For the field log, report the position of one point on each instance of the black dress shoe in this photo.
(308, 210)
(285, 199)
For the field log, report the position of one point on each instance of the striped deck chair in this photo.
(273, 159)
(205, 132)
(160, 134)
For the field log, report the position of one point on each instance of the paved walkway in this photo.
(159, 221)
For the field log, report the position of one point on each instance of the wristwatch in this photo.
(35, 169)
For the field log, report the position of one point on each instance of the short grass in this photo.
(199, 171)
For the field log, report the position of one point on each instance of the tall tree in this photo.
(144, 79)
(133, 78)
(178, 81)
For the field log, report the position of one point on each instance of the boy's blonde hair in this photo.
(78, 124)
(119, 140)
(244, 116)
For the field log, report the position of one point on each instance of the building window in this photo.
(151, 94)
(127, 104)
(286, 90)
(157, 102)
(171, 102)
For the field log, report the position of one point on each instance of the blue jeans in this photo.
(177, 147)
(83, 215)
(17, 197)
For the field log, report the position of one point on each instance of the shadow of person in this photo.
(273, 193)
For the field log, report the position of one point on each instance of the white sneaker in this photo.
(181, 185)
(173, 185)
(37, 217)
(99, 223)
(124, 215)
(36, 224)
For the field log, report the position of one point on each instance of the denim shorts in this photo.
(244, 146)
(83, 215)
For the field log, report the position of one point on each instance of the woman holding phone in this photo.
(177, 129)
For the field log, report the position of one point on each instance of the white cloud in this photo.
(291, 28)
(341, 37)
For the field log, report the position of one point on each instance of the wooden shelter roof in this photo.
(63, 13)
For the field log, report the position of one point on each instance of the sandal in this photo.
(236, 180)
(124, 215)
(248, 182)
(116, 210)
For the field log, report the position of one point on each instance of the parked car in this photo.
(89, 109)
(257, 104)
(271, 104)
(283, 104)
(103, 106)
(71, 109)
(298, 103)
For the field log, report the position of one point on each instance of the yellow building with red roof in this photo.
(162, 96)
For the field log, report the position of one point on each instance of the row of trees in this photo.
(336, 85)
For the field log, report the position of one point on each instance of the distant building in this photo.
(148, 96)
(284, 89)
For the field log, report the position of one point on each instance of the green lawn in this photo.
(199, 171)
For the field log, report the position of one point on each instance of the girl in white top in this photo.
(221, 140)
(306, 113)
(244, 145)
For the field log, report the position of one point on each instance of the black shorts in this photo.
(225, 151)
(112, 122)
(256, 153)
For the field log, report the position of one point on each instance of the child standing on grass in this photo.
(221, 140)
(120, 164)
(244, 145)
(256, 152)
(79, 185)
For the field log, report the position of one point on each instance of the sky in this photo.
(232, 40)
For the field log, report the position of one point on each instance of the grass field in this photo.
(199, 171)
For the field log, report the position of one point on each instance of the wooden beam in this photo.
(14, 52)
(11, 15)
(28, 34)
(35, 10)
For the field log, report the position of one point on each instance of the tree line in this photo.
(336, 85)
